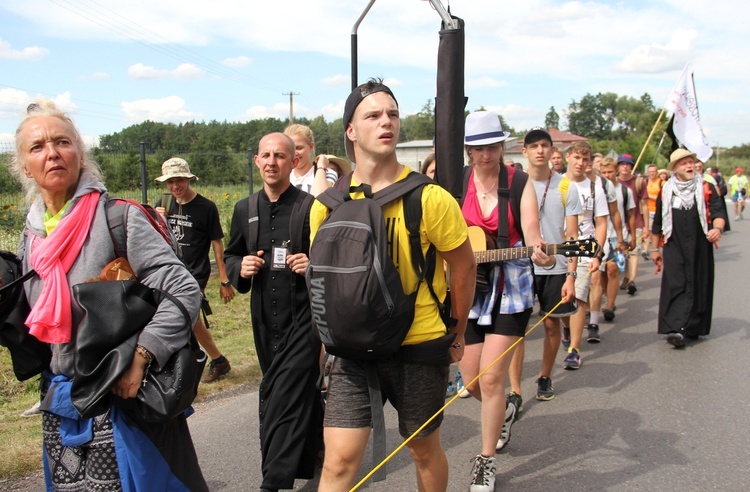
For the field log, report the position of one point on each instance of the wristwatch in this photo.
(571, 274)
(226, 284)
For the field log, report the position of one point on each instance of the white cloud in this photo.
(31, 53)
(237, 62)
(484, 83)
(185, 71)
(279, 110)
(170, 109)
(338, 80)
(12, 103)
(93, 76)
(333, 112)
(65, 102)
(519, 117)
(657, 58)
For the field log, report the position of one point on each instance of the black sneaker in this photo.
(632, 288)
(609, 314)
(593, 336)
(545, 391)
(676, 339)
(515, 399)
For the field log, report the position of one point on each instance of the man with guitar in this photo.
(592, 223)
(559, 207)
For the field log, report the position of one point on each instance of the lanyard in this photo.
(544, 197)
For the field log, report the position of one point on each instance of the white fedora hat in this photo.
(484, 128)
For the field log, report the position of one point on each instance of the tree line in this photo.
(218, 151)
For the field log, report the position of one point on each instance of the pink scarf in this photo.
(51, 318)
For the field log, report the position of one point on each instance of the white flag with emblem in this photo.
(683, 104)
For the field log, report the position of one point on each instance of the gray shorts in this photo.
(416, 391)
(583, 282)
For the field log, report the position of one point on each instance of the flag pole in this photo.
(648, 139)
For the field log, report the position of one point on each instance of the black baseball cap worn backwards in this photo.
(356, 97)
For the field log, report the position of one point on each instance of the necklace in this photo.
(482, 192)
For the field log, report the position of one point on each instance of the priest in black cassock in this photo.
(267, 251)
(691, 219)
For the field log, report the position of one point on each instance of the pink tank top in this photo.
(472, 212)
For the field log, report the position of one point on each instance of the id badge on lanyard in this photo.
(279, 256)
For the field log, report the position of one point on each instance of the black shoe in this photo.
(593, 336)
(609, 314)
(516, 400)
(632, 288)
(545, 391)
(676, 339)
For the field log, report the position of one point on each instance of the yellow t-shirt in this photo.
(442, 225)
(51, 221)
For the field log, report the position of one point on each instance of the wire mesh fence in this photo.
(130, 173)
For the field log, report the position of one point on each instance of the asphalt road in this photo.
(638, 415)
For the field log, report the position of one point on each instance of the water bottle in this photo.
(620, 260)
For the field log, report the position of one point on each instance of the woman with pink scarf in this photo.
(66, 241)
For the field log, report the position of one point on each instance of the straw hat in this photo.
(678, 155)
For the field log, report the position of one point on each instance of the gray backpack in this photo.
(358, 303)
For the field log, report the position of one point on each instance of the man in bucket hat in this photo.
(195, 222)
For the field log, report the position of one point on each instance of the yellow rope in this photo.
(450, 402)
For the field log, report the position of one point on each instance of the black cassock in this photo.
(687, 283)
(287, 346)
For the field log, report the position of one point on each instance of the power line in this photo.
(93, 12)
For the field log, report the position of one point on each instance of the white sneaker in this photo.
(510, 417)
(464, 394)
(483, 474)
(31, 412)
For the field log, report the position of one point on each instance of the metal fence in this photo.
(130, 173)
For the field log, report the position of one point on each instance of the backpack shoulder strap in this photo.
(117, 220)
(252, 222)
(300, 213)
(517, 185)
(398, 189)
(117, 223)
(467, 174)
(503, 193)
(564, 186)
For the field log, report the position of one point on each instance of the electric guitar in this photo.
(573, 249)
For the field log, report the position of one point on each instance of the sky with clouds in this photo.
(113, 64)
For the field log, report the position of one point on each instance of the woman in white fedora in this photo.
(501, 312)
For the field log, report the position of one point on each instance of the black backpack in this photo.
(358, 303)
(28, 355)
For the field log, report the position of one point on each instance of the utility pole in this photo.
(291, 95)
